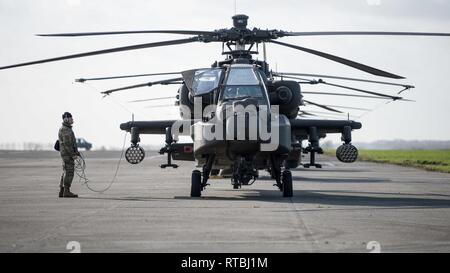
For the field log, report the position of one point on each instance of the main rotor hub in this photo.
(240, 21)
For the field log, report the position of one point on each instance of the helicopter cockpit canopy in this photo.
(243, 82)
(202, 81)
(242, 76)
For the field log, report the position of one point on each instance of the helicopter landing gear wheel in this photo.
(196, 183)
(287, 184)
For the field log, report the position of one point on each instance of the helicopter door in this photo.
(202, 81)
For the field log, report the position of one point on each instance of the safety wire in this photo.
(80, 170)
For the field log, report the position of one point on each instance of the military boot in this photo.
(61, 192)
(68, 194)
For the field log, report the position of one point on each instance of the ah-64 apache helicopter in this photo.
(231, 87)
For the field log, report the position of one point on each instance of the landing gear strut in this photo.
(287, 184)
(283, 178)
(196, 183)
(199, 180)
(275, 172)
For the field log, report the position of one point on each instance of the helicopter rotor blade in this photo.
(348, 107)
(78, 34)
(362, 91)
(340, 60)
(163, 82)
(323, 115)
(105, 51)
(126, 76)
(160, 106)
(152, 99)
(305, 113)
(322, 106)
(363, 33)
(350, 95)
(320, 81)
(283, 74)
(333, 115)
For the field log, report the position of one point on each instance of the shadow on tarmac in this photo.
(331, 180)
(338, 198)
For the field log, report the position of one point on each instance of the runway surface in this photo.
(340, 208)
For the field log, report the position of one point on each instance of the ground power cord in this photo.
(80, 170)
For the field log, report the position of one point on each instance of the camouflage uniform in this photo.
(68, 149)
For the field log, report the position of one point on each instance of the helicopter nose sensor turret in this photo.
(240, 21)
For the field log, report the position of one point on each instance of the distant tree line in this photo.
(29, 146)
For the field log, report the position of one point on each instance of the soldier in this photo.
(69, 153)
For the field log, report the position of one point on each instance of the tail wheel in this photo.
(196, 183)
(287, 184)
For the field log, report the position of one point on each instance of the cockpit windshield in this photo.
(242, 91)
(243, 83)
(242, 76)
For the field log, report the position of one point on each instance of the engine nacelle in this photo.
(287, 95)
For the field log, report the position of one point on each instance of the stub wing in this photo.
(148, 127)
(299, 127)
(302, 127)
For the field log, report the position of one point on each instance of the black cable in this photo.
(80, 166)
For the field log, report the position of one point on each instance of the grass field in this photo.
(432, 160)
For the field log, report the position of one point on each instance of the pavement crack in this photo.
(300, 225)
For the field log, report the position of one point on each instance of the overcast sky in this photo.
(33, 98)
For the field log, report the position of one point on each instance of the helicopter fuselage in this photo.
(234, 127)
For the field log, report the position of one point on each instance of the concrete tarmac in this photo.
(357, 207)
